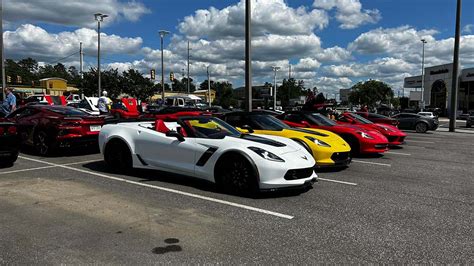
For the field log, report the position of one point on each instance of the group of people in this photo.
(9, 103)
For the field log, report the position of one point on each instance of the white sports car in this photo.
(210, 149)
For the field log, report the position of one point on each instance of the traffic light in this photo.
(172, 76)
(9, 79)
(152, 74)
(18, 80)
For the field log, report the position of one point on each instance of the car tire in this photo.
(421, 127)
(236, 175)
(117, 155)
(305, 146)
(43, 144)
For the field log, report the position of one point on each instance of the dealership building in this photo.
(437, 88)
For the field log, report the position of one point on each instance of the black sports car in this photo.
(9, 143)
(416, 122)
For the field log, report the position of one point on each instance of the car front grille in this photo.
(340, 157)
(295, 174)
(380, 146)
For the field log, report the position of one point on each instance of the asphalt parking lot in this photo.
(411, 205)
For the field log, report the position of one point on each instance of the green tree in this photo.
(290, 89)
(224, 94)
(370, 93)
(136, 85)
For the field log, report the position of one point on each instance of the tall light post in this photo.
(423, 75)
(455, 80)
(99, 17)
(2, 54)
(162, 33)
(248, 56)
(208, 86)
(275, 69)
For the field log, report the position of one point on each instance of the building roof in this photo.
(46, 79)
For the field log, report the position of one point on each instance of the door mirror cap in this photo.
(248, 128)
(176, 135)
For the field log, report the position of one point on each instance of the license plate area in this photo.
(95, 128)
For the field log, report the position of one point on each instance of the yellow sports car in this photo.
(327, 148)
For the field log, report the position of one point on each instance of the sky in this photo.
(330, 44)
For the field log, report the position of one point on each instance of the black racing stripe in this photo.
(262, 140)
(206, 156)
(310, 132)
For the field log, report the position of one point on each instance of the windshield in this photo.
(360, 118)
(209, 127)
(320, 120)
(266, 122)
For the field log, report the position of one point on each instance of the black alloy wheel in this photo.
(43, 144)
(117, 155)
(237, 176)
(421, 127)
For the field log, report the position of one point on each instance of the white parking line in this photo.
(419, 141)
(224, 202)
(381, 164)
(398, 153)
(43, 167)
(337, 181)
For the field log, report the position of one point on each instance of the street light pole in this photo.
(2, 54)
(208, 86)
(455, 79)
(248, 58)
(99, 17)
(275, 69)
(162, 33)
(188, 83)
(423, 75)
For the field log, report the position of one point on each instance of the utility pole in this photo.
(208, 86)
(2, 53)
(423, 76)
(454, 87)
(189, 84)
(289, 72)
(248, 58)
(99, 18)
(275, 69)
(81, 60)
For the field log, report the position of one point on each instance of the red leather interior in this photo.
(182, 131)
(161, 127)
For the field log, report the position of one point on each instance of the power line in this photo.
(57, 61)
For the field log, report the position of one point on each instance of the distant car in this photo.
(465, 116)
(48, 128)
(126, 108)
(378, 118)
(217, 111)
(427, 114)
(416, 122)
(394, 135)
(9, 143)
(45, 99)
(73, 98)
(88, 105)
(208, 148)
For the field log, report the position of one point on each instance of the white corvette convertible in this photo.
(208, 148)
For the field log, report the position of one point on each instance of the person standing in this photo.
(104, 103)
(9, 103)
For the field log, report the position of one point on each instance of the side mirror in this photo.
(248, 128)
(305, 124)
(175, 134)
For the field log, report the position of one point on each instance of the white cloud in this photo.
(349, 12)
(72, 13)
(469, 28)
(269, 16)
(33, 41)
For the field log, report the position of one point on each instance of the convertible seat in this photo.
(160, 126)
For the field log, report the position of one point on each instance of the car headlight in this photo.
(365, 135)
(266, 154)
(318, 142)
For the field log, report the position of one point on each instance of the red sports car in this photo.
(172, 113)
(127, 108)
(47, 127)
(394, 135)
(361, 140)
(380, 119)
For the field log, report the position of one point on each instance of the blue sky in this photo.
(331, 44)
